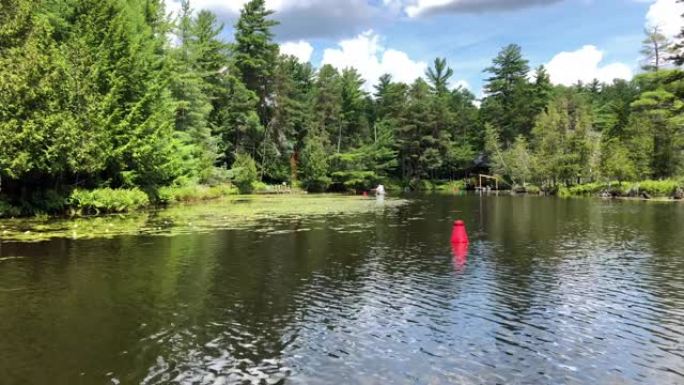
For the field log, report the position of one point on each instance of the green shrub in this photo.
(244, 172)
(194, 193)
(657, 188)
(564, 192)
(260, 187)
(45, 201)
(315, 166)
(451, 186)
(356, 180)
(8, 211)
(107, 200)
(423, 185)
(393, 186)
(532, 189)
(587, 189)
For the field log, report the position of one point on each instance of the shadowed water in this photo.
(552, 291)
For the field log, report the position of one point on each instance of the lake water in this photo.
(552, 291)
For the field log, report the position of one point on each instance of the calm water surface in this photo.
(551, 292)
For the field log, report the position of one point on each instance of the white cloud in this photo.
(585, 65)
(372, 60)
(301, 49)
(299, 18)
(666, 14)
(459, 83)
(416, 8)
(232, 6)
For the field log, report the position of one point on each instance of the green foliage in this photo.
(366, 166)
(657, 188)
(616, 162)
(451, 186)
(588, 189)
(519, 161)
(7, 210)
(439, 76)
(512, 102)
(654, 188)
(492, 149)
(564, 140)
(107, 200)
(315, 167)
(255, 53)
(424, 185)
(193, 193)
(661, 110)
(533, 190)
(244, 172)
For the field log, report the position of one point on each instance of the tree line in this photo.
(119, 94)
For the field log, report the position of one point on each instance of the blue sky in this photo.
(576, 39)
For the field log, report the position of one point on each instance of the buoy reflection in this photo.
(460, 252)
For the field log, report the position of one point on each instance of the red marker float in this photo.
(459, 234)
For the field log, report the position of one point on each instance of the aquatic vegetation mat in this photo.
(230, 213)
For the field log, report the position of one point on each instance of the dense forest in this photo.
(118, 94)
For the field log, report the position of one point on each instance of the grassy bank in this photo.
(111, 201)
(647, 189)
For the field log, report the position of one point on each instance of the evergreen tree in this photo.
(438, 76)
(655, 49)
(193, 104)
(542, 89)
(291, 120)
(354, 128)
(255, 54)
(662, 110)
(327, 105)
(678, 48)
(519, 161)
(42, 140)
(508, 103)
(390, 98)
(564, 141)
(414, 134)
(616, 162)
(315, 166)
(235, 120)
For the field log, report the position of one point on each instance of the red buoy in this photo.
(459, 234)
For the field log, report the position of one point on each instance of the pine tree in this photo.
(292, 118)
(542, 89)
(662, 110)
(655, 48)
(519, 160)
(191, 93)
(236, 121)
(413, 134)
(508, 103)
(390, 98)
(354, 128)
(327, 106)
(255, 53)
(315, 168)
(438, 76)
(678, 48)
